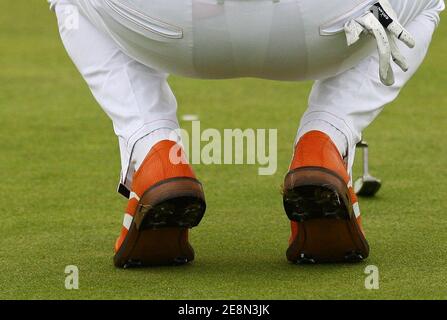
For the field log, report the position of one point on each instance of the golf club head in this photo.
(367, 186)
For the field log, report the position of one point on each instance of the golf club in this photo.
(366, 185)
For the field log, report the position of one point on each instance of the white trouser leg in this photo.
(350, 101)
(137, 98)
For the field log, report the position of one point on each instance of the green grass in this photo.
(59, 166)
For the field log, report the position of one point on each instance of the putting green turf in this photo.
(59, 166)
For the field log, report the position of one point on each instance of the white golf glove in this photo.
(381, 21)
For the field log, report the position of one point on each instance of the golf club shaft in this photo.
(365, 161)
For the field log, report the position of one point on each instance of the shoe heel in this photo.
(174, 203)
(315, 193)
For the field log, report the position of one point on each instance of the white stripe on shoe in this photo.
(133, 195)
(356, 208)
(350, 183)
(127, 222)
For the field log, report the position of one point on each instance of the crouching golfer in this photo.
(360, 52)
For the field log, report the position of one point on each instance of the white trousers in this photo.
(125, 50)
(274, 39)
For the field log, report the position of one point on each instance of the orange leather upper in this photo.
(165, 160)
(316, 149)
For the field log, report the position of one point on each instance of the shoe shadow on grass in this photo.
(232, 266)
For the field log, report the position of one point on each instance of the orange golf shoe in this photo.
(166, 200)
(322, 206)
